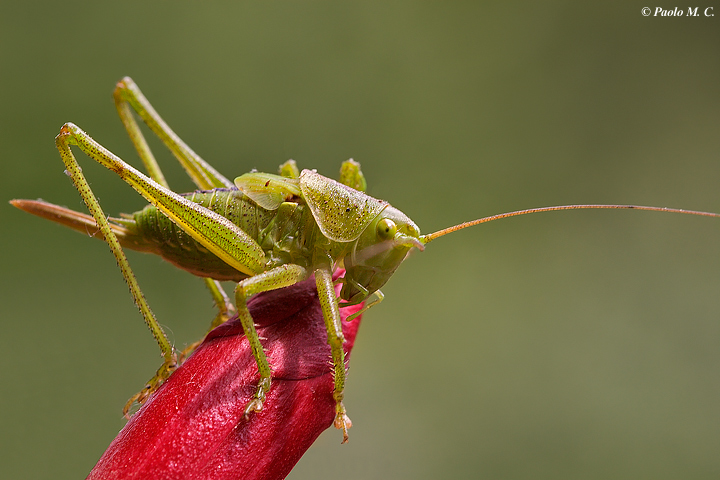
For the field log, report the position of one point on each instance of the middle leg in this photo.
(278, 277)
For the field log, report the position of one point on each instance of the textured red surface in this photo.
(193, 426)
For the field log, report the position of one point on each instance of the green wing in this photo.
(268, 190)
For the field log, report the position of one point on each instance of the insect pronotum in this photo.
(263, 231)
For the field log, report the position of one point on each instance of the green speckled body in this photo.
(270, 232)
(285, 234)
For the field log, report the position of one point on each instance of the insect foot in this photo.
(256, 404)
(152, 385)
(342, 421)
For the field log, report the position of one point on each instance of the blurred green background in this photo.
(564, 345)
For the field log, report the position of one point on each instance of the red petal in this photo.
(193, 426)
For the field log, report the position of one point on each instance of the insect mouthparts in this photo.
(410, 242)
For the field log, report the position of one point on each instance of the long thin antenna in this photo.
(432, 236)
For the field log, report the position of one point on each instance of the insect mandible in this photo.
(263, 231)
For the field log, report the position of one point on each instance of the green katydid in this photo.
(263, 231)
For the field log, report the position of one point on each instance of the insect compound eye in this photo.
(386, 229)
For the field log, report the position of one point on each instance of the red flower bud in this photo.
(193, 427)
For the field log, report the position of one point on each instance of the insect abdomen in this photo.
(177, 247)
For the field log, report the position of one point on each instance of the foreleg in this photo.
(333, 324)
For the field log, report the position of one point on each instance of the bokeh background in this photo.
(563, 345)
